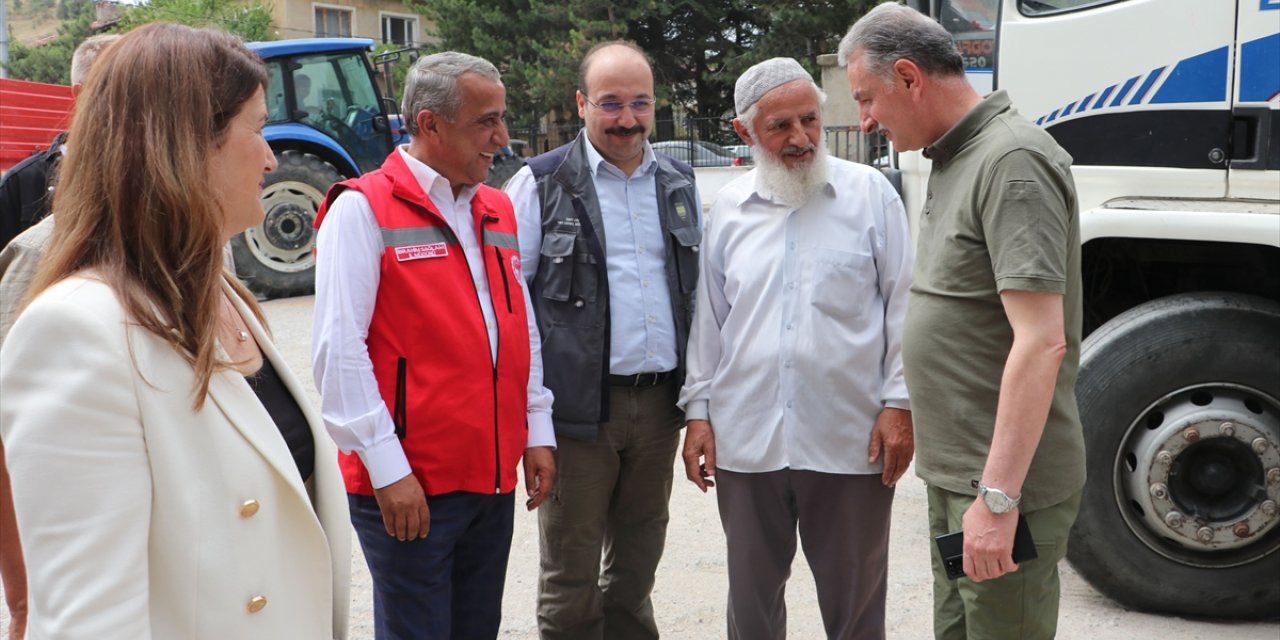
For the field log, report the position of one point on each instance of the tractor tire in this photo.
(1180, 401)
(276, 259)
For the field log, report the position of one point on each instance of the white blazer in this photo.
(142, 519)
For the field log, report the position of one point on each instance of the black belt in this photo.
(641, 379)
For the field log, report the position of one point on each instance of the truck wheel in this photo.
(275, 259)
(1179, 400)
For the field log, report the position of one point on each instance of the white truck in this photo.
(1169, 109)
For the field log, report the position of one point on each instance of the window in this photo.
(401, 30)
(333, 22)
(973, 25)
(1053, 7)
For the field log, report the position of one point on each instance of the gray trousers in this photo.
(843, 523)
(604, 527)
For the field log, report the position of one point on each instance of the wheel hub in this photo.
(289, 226)
(1200, 472)
(285, 238)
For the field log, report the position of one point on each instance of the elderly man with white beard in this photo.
(795, 397)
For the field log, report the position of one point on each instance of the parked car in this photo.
(741, 151)
(698, 153)
(506, 163)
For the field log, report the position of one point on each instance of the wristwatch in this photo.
(996, 500)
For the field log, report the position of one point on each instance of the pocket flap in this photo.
(557, 245)
(687, 236)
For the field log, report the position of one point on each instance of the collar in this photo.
(594, 160)
(961, 132)
(428, 178)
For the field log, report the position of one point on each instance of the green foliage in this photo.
(51, 61)
(536, 44)
(249, 21)
(699, 47)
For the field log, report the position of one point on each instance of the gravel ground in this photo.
(691, 583)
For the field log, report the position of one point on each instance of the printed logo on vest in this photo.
(422, 251)
(681, 213)
(515, 268)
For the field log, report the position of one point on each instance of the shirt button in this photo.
(787, 364)
(790, 327)
(249, 508)
(578, 303)
(789, 404)
(791, 245)
(257, 603)
(791, 285)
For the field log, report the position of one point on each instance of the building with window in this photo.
(387, 21)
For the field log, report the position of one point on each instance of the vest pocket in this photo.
(555, 269)
(687, 240)
(563, 274)
(398, 414)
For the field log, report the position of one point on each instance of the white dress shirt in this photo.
(350, 247)
(796, 340)
(642, 330)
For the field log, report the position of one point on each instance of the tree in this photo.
(536, 44)
(250, 21)
(51, 61)
(806, 29)
(699, 47)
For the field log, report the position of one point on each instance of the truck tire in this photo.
(276, 258)
(1178, 398)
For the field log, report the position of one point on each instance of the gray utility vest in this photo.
(570, 290)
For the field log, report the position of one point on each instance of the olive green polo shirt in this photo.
(1000, 214)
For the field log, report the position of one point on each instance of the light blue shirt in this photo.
(642, 329)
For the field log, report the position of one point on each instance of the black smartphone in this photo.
(951, 548)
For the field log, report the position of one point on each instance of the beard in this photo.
(794, 186)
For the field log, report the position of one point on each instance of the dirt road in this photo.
(691, 584)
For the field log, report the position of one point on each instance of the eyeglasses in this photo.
(614, 108)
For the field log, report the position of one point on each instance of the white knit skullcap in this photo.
(763, 78)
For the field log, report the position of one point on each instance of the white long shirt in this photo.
(796, 340)
(347, 275)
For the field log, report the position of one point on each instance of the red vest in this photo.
(461, 417)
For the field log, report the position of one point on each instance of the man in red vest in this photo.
(427, 359)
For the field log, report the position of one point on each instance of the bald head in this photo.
(611, 54)
(615, 101)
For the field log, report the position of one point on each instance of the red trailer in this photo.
(31, 114)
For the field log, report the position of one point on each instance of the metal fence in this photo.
(843, 142)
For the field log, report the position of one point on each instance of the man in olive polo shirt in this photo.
(992, 336)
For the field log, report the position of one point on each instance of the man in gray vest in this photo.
(609, 233)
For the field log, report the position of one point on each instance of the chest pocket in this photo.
(686, 241)
(845, 282)
(566, 270)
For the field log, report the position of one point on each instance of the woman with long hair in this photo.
(170, 478)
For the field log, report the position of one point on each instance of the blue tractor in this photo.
(327, 121)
